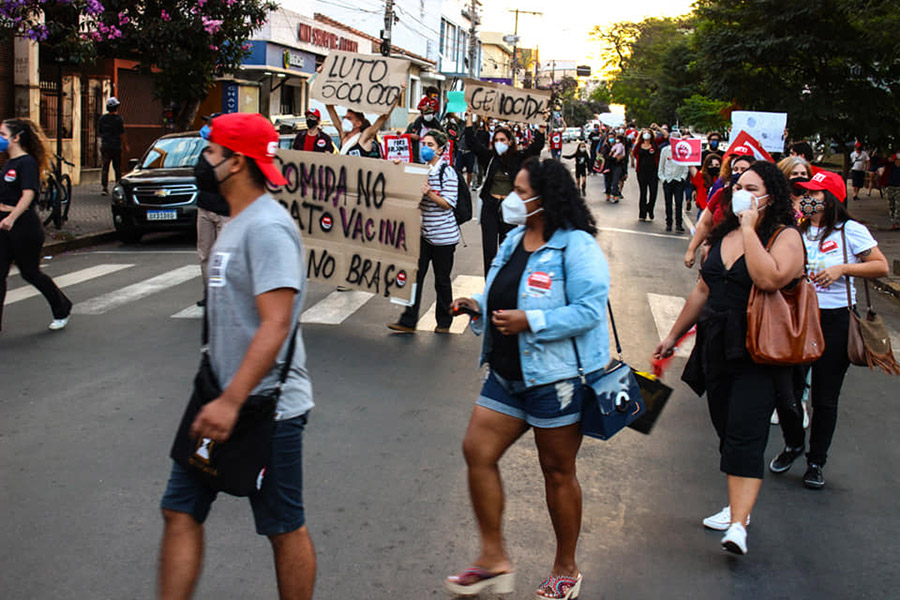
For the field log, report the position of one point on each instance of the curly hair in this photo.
(779, 209)
(563, 204)
(32, 140)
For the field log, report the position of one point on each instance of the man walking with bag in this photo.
(254, 299)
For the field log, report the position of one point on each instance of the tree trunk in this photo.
(187, 114)
(845, 169)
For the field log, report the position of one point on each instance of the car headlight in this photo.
(118, 195)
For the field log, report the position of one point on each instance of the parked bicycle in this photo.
(56, 195)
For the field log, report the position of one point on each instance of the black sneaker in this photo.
(785, 459)
(679, 228)
(813, 478)
(668, 228)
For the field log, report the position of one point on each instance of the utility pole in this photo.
(386, 32)
(473, 37)
(515, 65)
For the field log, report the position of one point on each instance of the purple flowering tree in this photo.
(186, 44)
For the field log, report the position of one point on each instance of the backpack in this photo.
(463, 209)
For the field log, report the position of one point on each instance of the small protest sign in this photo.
(766, 127)
(687, 152)
(398, 147)
(362, 82)
(746, 144)
(506, 102)
(359, 218)
(447, 156)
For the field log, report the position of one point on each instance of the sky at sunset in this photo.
(562, 31)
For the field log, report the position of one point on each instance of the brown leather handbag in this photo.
(783, 326)
(868, 340)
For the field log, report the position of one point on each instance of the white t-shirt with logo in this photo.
(859, 160)
(829, 252)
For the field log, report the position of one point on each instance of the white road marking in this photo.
(191, 312)
(668, 236)
(690, 225)
(665, 310)
(336, 307)
(132, 293)
(463, 286)
(13, 271)
(66, 280)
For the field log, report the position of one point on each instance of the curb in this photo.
(59, 246)
(890, 286)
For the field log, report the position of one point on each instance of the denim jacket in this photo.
(570, 265)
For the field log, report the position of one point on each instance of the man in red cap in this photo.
(254, 299)
(425, 122)
(313, 139)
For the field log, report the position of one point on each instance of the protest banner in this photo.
(506, 103)
(744, 142)
(766, 127)
(398, 147)
(687, 152)
(361, 82)
(359, 218)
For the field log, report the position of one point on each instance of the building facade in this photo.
(496, 61)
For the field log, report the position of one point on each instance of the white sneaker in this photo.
(57, 324)
(720, 521)
(805, 416)
(774, 420)
(735, 539)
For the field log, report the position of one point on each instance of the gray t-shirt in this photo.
(258, 251)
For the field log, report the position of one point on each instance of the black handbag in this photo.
(236, 466)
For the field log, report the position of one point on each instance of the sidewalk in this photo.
(90, 222)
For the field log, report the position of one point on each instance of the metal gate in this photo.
(91, 109)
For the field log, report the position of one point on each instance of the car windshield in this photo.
(172, 153)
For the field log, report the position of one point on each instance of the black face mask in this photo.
(205, 174)
(311, 123)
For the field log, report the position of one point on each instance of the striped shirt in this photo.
(439, 224)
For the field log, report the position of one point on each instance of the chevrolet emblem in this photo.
(161, 193)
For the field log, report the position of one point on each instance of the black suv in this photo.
(160, 192)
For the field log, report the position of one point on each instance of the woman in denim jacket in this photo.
(546, 291)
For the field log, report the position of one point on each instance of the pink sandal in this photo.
(474, 580)
(560, 587)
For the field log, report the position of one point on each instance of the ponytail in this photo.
(32, 140)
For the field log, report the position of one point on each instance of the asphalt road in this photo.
(87, 416)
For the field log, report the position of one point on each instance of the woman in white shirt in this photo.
(827, 228)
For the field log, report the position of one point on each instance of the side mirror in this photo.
(133, 163)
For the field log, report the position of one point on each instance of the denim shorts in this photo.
(545, 406)
(277, 506)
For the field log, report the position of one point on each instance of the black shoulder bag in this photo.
(236, 466)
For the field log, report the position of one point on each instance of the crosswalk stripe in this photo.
(463, 286)
(336, 307)
(13, 271)
(665, 310)
(191, 312)
(131, 293)
(67, 280)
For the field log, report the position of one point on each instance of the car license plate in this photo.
(162, 215)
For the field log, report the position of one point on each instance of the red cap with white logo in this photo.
(828, 181)
(252, 135)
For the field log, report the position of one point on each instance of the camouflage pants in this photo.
(893, 194)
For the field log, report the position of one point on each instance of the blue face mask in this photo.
(713, 144)
(735, 177)
(4, 144)
(426, 153)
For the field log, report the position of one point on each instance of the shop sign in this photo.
(292, 59)
(325, 39)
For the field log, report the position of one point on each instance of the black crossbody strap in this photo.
(612, 322)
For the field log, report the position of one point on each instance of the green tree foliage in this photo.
(186, 44)
(704, 114)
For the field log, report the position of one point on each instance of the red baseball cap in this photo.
(314, 112)
(428, 105)
(827, 181)
(741, 151)
(252, 135)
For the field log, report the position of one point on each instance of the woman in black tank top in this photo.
(741, 394)
(358, 136)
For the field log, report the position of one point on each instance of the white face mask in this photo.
(428, 117)
(741, 201)
(347, 125)
(646, 136)
(514, 210)
(501, 148)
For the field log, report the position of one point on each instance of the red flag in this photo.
(743, 142)
(687, 152)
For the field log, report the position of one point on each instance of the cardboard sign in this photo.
(398, 147)
(687, 152)
(359, 218)
(362, 82)
(506, 103)
(766, 127)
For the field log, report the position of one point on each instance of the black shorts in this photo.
(580, 171)
(858, 178)
(465, 161)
